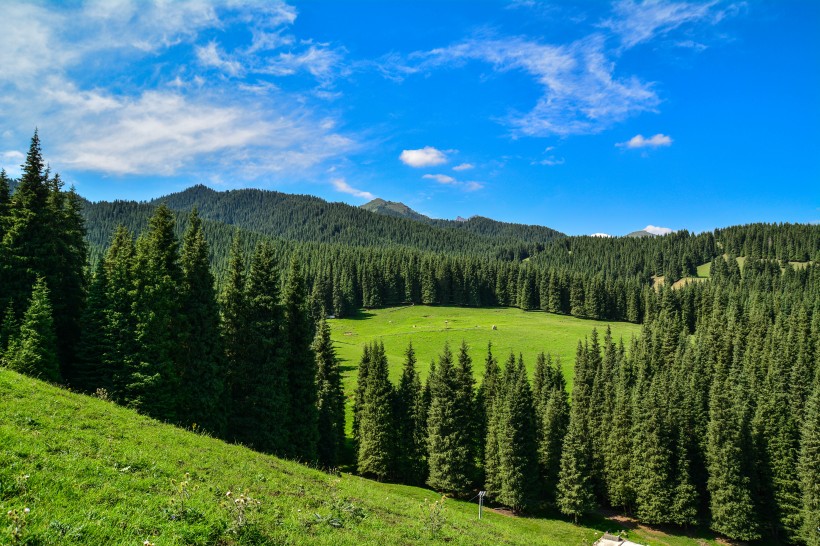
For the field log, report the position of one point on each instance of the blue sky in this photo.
(584, 116)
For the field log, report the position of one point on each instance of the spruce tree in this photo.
(575, 489)
(488, 433)
(235, 334)
(262, 410)
(361, 388)
(448, 442)
(154, 378)
(552, 419)
(34, 350)
(300, 363)
(518, 449)
(467, 416)
(376, 426)
(411, 424)
(120, 322)
(90, 370)
(330, 402)
(199, 353)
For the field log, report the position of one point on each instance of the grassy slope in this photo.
(95, 473)
(429, 328)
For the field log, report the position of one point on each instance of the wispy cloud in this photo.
(580, 91)
(423, 157)
(344, 187)
(658, 230)
(635, 22)
(604, 235)
(464, 167)
(448, 180)
(441, 178)
(210, 56)
(638, 141)
(551, 161)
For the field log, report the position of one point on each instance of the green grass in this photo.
(94, 473)
(429, 328)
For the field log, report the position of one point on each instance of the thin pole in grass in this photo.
(480, 502)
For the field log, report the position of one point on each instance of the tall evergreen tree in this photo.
(448, 442)
(34, 350)
(236, 337)
(199, 352)
(154, 380)
(90, 370)
(300, 362)
(485, 400)
(552, 418)
(518, 448)
(376, 427)
(361, 388)
(411, 426)
(330, 399)
(120, 323)
(261, 412)
(467, 415)
(575, 489)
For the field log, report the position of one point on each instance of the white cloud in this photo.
(636, 22)
(344, 187)
(424, 157)
(183, 119)
(551, 161)
(441, 178)
(10, 160)
(601, 235)
(464, 167)
(638, 141)
(450, 181)
(658, 230)
(211, 56)
(320, 61)
(580, 91)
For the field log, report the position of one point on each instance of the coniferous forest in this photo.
(208, 310)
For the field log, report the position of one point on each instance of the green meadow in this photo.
(429, 328)
(76, 470)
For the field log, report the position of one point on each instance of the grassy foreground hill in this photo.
(91, 472)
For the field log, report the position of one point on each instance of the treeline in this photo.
(721, 427)
(248, 365)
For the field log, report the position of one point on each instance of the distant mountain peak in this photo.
(460, 219)
(393, 208)
(640, 233)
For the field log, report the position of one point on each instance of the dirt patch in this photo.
(349, 334)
